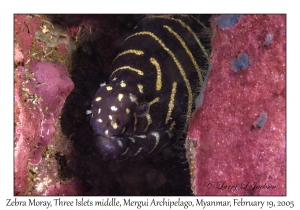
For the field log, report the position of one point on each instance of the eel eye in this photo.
(142, 109)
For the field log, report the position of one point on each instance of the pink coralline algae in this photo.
(233, 157)
(25, 27)
(40, 94)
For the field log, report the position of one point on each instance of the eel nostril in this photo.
(142, 109)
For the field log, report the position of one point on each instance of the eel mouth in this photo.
(111, 147)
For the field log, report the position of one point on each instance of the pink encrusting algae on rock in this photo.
(40, 93)
(25, 27)
(232, 155)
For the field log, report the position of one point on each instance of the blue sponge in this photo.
(241, 61)
(269, 39)
(227, 21)
(259, 123)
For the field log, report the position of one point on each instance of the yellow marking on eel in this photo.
(140, 87)
(139, 150)
(156, 135)
(127, 111)
(132, 139)
(141, 136)
(125, 151)
(153, 101)
(120, 143)
(187, 50)
(171, 102)
(113, 108)
(128, 68)
(199, 22)
(98, 99)
(120, 96)
(149, 120)
(115, 125)
(136, 52)
(189, 29)
(122, 84)
(158, 77)
(109, 88)
(181, 70)
(133, 98)
(170, 133)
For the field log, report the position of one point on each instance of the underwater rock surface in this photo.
(40, 90)
(231, 155)
(39, 99)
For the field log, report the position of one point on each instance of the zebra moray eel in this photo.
(147, 102)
